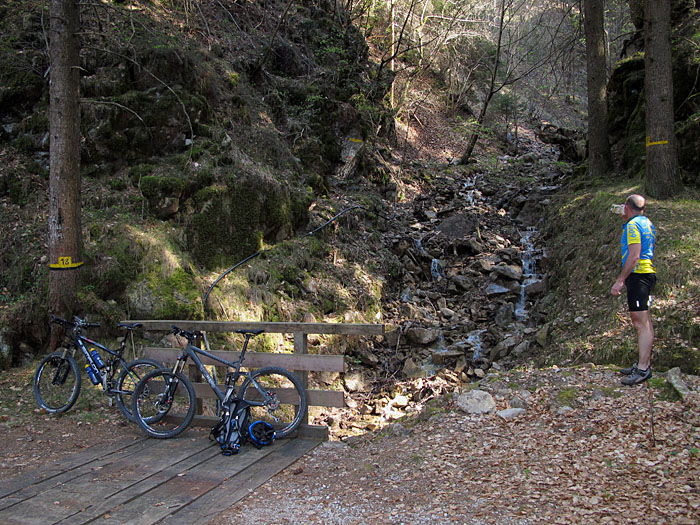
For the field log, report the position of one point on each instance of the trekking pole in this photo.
(651, 414)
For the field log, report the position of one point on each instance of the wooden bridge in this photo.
(143, 481)
(181, 480)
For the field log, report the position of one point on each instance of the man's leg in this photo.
(645, 337)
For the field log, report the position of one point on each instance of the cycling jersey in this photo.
(639, 230)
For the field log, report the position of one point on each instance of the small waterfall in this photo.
(474, 338)
(529, 259)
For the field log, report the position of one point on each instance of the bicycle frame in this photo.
(191, 351)
(81, 342)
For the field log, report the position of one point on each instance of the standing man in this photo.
(638, 275)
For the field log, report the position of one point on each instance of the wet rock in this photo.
(412, 369)
(443, 356)
(504, 316)
(496, 289)
(509, 271)
(504, 348)
(535, 288)
(462, 282)
(422, 336)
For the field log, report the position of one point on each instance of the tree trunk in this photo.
(599, 158)
(64, 235)
(464, 159)
(662, 175)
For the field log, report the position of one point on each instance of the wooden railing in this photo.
(300, 362)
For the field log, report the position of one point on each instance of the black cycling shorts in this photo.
(639, 286)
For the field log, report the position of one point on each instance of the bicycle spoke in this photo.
(56, 383)
(284, 401)
(164, 404)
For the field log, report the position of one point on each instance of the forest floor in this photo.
(586, 450)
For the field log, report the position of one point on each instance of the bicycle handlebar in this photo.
(187, 334)
(77, 322)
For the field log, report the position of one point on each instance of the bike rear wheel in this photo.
(57, 383)
(163, 403)
(127, 381)
(286, 406)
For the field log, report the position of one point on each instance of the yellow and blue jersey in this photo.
(639, 230)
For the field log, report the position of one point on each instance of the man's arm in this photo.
(635, 250)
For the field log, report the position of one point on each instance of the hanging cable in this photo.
(308, 234)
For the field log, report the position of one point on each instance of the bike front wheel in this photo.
(163, 403)
(57, 383)
(284, 402)
(127, 381)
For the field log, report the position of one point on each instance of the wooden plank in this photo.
(315, 398)
(319, 432)
(181, 480)
(232, 490)
(48, 472)
(279, 328)
(62, 473)
(186, 485)
(320, 363)
(301, 348)
(67, 496)
(157, 477)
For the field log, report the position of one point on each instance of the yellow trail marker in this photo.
(65, 263)
(655, 143)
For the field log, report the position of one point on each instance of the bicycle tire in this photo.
(156, 395)
(287, 408)
(127, 381)
(57, 383)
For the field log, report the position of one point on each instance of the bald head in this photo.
(636, 203)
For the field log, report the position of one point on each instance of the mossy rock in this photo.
(175, 296)
(232, 221)
(116, 261)
(163, 194)
(688, 137)
(625, 90)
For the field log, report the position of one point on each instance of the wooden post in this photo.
(301, 346)
(195, 376)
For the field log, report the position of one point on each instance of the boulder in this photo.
(422, 336)
(476, 402)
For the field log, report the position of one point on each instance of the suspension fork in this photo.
(180, 363)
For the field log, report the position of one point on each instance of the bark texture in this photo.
(599, 158)
(662, 175)
(64, 228)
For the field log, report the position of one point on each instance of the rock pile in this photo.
(470, 284)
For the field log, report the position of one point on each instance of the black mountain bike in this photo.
(164, 401)
(57, 380)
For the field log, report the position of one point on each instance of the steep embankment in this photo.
(207, 136)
